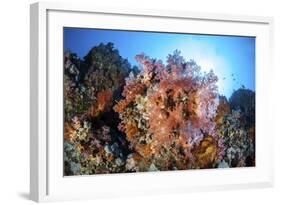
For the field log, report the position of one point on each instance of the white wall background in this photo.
(14, 101)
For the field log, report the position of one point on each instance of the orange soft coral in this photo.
(206, 154)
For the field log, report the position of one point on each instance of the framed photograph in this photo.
(127, 102)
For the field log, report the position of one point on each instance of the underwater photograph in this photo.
(142, 101)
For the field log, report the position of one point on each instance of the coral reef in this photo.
(237, 128)
(156, 117)
(92, 142)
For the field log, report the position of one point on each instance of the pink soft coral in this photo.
(168, 110)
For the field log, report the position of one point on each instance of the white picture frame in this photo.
(47, 182)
